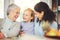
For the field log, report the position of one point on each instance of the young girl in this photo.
(27, 25)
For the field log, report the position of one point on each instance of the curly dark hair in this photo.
(49, 15)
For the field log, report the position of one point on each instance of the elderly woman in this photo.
(10, 27)
(45, 19)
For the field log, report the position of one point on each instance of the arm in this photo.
(14, 31)
(54, 25)
(1, 35)
(38, 29)
(5, 30)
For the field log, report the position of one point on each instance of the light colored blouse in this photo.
(10, 28)
(38, 28)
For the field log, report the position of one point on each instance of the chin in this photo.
(14, 20)
(25, 20)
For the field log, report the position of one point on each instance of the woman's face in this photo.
(39, 15)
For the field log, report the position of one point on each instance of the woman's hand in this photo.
(1, 35)
(21, 33)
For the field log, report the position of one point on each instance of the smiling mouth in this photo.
(16, 17)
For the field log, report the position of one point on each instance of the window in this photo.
(1, 8)
(23, 4)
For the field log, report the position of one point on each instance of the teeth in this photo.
(16, 16)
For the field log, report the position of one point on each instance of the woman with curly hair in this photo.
(45, 19)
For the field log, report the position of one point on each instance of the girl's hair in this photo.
(32, 13)
(49, 15)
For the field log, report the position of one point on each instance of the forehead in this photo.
(16, 9)
(27, 12)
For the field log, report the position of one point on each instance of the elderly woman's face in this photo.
(39, 15)
(13, 14)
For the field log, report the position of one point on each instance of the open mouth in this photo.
(16, 17)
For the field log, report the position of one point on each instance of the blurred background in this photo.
(23, 4)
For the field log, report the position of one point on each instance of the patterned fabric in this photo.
(10, 28)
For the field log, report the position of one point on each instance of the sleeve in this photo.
(15, 30)
(38, 29)
(54, 25)
(5, 30)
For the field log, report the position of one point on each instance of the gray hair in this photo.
(12, 7)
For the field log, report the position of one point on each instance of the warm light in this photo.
(1, 8)
(23, 4)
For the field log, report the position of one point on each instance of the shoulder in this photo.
(54, 24)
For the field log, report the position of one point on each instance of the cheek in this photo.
(41, 15)
(15, 14)
(37, 15)
(26, 17)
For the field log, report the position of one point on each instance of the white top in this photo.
(10, 28)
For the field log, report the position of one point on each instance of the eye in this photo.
(25, 14)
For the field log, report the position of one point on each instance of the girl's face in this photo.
(39, 15)
(27, 16)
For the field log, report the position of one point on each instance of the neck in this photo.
(39, 18)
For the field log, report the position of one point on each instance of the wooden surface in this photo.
(29, 37)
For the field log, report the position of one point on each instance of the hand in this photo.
(1, 35)
(21, 33)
